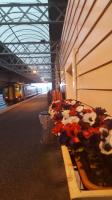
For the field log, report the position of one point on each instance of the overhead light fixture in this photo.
(34, 72)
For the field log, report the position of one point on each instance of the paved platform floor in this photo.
(29, 170)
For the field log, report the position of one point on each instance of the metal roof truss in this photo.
(25, 34)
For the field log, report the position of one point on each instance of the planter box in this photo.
(75, 186)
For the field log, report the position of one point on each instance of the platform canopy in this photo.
(25, 35)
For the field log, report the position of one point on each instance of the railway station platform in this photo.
(29, 170)
(62, 48)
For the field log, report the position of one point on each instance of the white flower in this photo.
(79, 108)
(108, 140)
(74, 119)
(65, 113)
(70, 120)
(50, 108)
(52, 113)
(73, 102)
(90, 118)
(81, 113)
(102, 129)
(108, 117)
(101, 146)
(65, 121)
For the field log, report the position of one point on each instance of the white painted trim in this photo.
(70, 173)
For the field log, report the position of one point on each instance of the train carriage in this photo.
(17, 92)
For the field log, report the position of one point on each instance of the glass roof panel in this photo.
(30, 42)
(23, 1)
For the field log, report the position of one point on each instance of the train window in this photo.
(6, 90)
(17, 89)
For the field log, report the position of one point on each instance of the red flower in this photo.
(86, 134)
(75, 140)
(94, 130)
(75, 127)
(71, 129)
(58, 128)
(90, 132)
(87, 110)
(58, 107)
(67, 129)
(72, 112)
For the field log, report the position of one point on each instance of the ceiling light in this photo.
(34, 72)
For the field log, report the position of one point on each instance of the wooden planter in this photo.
(94, 192)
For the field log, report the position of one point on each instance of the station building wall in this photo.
(86, 52)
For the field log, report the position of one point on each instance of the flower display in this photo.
(73, 119)
(84, 129)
